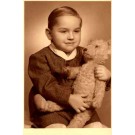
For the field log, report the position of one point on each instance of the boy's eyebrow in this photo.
(67, 28)
(78, 28)
(62, 28)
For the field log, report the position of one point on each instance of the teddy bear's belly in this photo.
(84, 84)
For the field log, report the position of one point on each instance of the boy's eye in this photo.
(63, 31)
(77, 31)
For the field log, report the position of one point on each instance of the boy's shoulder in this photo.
(43, 51)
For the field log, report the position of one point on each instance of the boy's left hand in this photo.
(102, 73)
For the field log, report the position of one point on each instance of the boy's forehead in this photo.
(68, 21)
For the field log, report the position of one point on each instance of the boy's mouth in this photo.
(69, 43)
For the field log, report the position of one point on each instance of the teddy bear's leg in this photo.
(95, 125)
(45, 106)
(56, 125)
(80, 119)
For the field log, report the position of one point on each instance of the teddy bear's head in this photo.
(97, 50)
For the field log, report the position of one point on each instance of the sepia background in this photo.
(96, 18)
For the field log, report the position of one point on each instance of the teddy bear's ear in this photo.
(109, 46)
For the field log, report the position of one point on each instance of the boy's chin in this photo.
(69, 51)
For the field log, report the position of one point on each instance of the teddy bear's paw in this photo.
(96, 104)
(95, 125)
(71, 72)
(75, 124)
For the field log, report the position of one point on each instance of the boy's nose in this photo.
(70, 35)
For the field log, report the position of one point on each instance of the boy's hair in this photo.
(61, 11)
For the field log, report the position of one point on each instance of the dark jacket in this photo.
(46, 72)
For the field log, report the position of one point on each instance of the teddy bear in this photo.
(95, 53)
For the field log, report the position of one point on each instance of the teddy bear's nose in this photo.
(85, 49)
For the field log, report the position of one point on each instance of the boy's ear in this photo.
(48, 34)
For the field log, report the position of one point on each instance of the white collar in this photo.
(63, 54)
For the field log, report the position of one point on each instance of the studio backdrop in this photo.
(96, 18)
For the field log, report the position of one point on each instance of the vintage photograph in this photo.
(67, 64)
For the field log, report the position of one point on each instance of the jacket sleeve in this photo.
(45, 82)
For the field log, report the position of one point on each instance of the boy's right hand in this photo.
(77, 101)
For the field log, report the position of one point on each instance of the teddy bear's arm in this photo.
(44, 105)
(99, 93)
(71, 72)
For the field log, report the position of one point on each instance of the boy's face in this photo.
(66, 33)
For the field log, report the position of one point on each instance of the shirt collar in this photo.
(63, 54)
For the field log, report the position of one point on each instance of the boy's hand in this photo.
(77, 101)
(102, 73)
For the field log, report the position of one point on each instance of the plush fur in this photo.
(96, 53)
